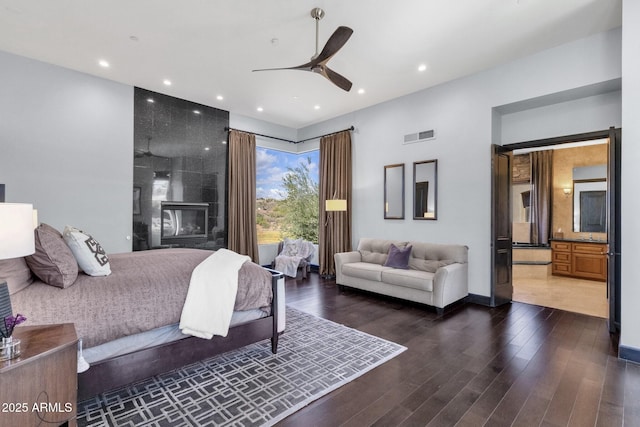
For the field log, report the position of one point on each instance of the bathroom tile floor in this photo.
(565, 293)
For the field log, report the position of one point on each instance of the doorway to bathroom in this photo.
(563, 201)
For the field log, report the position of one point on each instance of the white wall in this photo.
(586, 114)
(461, 112)
(630, 336)
(66, 143)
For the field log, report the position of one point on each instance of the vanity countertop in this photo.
(579, 240)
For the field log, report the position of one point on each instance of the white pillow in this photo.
(87, 251)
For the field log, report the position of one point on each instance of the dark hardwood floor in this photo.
(516, 365)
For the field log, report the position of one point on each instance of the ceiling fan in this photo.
(144, 153)
(318, 63)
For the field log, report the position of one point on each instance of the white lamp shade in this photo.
(335, 205)
(16, 230)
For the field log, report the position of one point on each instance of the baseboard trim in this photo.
(629, 353)
(479, 299)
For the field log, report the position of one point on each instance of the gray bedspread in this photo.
(145, 290)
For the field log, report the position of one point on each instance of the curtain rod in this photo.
(288, 140)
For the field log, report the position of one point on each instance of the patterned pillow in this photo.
(52, 261)
(91, 258)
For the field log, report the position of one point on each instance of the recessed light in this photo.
(150, 100)
(196, 112)
(207, 148)
(134, 38)
(422, 67)
(223, 142)
(166, 82)
(260, 109)
(361, 91)
(219, 97)
(103, 63)
(316, 107)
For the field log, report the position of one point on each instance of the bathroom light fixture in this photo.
(566, 191)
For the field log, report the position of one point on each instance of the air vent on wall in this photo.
(424, 135)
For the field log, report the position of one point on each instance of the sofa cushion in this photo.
(429, 265)
(364, 270)
(416, 279)
(398, 257)
(439, 252)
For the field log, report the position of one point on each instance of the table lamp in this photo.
(16, 240)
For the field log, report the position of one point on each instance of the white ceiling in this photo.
(209, 47)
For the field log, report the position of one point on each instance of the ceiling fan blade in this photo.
(337, 79)
(303, 67)
(338, 39)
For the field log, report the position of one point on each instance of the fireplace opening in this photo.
(183, 223)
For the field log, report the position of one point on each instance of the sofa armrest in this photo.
(342, 258)
(450, 284)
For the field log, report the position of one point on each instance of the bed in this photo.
(128, 320)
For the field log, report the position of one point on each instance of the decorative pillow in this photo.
(16, 273)
(52, 261)
(91, 258)
(398, 257)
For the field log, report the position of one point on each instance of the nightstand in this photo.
(40, 386)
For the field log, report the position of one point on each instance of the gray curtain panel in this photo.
(335, 183)
(243, 235)
(541, 196)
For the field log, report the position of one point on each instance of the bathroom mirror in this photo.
(425, 189)
(590, 199)
(590, 206)
(394, 191)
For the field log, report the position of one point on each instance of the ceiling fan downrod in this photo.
(317, 14)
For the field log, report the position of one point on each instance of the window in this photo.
(287, 195)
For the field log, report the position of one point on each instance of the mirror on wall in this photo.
(590, 199)
(394, 191)
(425, 189)
(590, 206)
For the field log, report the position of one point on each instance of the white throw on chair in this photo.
(294, 255)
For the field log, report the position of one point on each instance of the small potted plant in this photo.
(10, 348)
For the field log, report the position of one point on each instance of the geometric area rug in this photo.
(249, 386)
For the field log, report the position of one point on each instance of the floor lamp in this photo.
(332, 205)
(16, 240)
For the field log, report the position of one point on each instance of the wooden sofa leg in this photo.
(439, 311)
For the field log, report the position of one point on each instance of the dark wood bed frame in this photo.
(129, 368)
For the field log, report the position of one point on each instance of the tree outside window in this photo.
(287, 195)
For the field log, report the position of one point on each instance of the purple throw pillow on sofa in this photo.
(398, 257)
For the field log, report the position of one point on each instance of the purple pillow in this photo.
(398, 257)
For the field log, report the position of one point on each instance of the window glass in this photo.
(287, 195)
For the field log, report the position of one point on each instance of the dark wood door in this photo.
(613, 229)
(501, 286)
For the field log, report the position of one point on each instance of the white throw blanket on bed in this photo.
(212, 294)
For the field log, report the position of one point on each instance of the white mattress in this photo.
(155, 337)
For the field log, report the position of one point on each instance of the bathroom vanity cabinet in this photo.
(579, 258)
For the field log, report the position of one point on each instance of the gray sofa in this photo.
(437, 273)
